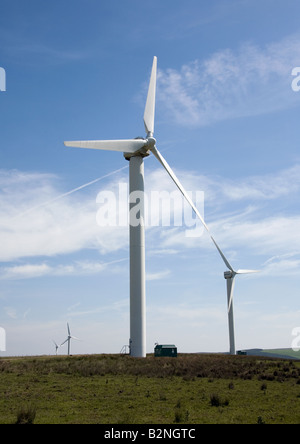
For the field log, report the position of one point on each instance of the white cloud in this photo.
(83, 268)
(24, 271)
(286, 264)
(278, 234)
(38, 219)
(255, 214)
(235, 213)
(268, 187)
(12, 313)
(250, 81)
(117, 306)
(261, 237)
(158, 276)
(34, 222)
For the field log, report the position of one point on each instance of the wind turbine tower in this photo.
(230, 279)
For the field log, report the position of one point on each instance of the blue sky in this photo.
(227, 121)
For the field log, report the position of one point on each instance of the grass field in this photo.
(284, 352)
(112, 389)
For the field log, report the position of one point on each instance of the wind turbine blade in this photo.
(68, 329)
(171, 173)
(64, 342)
(123, 146)
(150, 103)
(247, 271)
(222, 255)
(74, 337)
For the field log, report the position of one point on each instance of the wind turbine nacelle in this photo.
(144, 151)
(228, 275)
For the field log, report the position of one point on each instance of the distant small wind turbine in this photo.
(56, 347)
(68, 340)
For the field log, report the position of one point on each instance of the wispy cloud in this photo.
(117, 306)
(257, 189)
(257, 235)
(235, 213)
(37, 219)
(286, 264)
(83, 268)
(256, 214)
(158, 275)
(13, 313)
(231, 84)
(68, 193)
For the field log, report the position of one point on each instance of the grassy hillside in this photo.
(112, 389)
(285, 353)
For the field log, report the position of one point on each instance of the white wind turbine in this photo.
(229, 275)
(230, 278)
(68, 340)
(135, 150)
(56, 346)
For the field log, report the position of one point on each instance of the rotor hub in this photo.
(150, 142)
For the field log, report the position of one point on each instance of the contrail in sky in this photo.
(61, 196)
